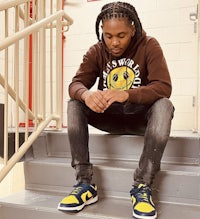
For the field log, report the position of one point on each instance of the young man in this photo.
(132, 98)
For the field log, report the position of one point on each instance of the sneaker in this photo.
(143, 206)
(82, 195)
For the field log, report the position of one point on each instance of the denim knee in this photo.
(159, 119)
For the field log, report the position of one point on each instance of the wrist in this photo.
(127, 95)
(84, 95)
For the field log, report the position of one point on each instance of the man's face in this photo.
(117, 33)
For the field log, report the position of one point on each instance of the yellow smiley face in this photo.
(120, 78)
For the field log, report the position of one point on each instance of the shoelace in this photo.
(76, 190)
(142, 194)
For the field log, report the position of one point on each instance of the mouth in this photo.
(116, 51)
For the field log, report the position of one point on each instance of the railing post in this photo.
(6, 96)
(16, 78)
(59, 70)
(26, 71)
(42, 60)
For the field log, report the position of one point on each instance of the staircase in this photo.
(49, 176)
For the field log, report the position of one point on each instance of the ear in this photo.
(133, 30)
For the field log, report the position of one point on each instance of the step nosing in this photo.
(116, 164)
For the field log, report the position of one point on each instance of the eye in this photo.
(108, 36)
(115, 77)
(121, 36)
(126, 75)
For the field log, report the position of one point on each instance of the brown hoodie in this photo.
(141, 71)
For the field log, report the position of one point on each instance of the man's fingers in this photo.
(96, 102)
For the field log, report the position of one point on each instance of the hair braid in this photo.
(119, 10)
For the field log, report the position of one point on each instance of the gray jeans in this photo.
(151, 121)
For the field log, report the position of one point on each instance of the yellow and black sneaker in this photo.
(82, 195)
(143, 206)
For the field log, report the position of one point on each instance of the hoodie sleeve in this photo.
(86, 75)
(158, 83)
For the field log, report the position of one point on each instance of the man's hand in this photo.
(112, 96)
(99, 101)
(95, 101)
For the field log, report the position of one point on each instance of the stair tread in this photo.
(182, 148)
(177, 182)
(105, 208)
(94, 131)
(118, 164)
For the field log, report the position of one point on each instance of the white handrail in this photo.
(12, 93)
(33, 33)
(6, 4)
(31, 29)
(25, 146)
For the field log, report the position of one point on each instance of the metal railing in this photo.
(31, 70)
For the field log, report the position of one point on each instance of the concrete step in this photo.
(43, 205)
(49, 177)
(182, 147)
(174, 183)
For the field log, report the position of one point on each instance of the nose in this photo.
(115, 41)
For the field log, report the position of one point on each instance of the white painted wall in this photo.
(169, 22)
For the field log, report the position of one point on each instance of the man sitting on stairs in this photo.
(132, 98)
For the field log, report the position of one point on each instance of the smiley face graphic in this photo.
(120, 78)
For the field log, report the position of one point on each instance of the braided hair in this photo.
(119, 10)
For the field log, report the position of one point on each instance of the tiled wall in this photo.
(169, 22)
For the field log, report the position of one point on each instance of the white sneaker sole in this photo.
(144, 217)
(80, 207)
